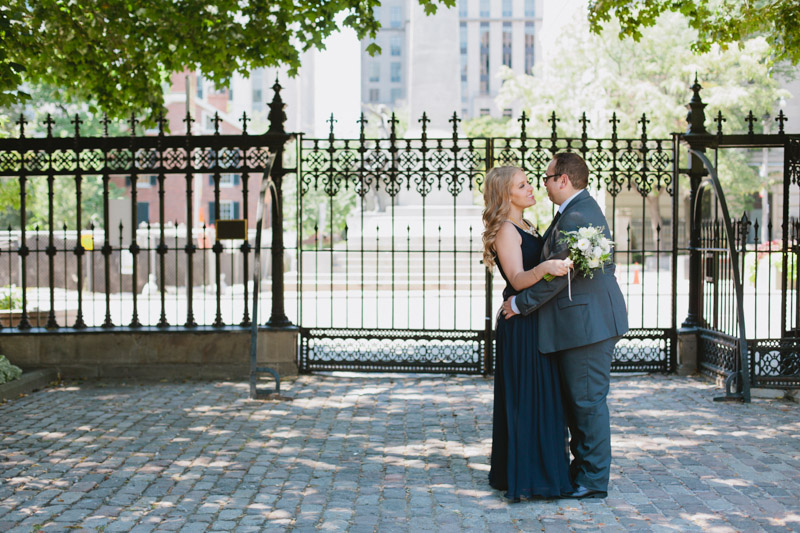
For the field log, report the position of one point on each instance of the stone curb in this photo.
(29, 381)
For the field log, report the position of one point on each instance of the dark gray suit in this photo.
(582, 334)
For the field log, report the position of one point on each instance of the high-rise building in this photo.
(490, 34)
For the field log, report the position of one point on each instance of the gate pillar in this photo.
(698, 138)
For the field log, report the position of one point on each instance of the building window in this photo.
(395, 17)
(528, 47)
(143, 181)
(507, 44)
(485, 111)
(462, 8)
(484, 10)
(396, 45)
(396, 95)
(142, 212)
(484, 58)
(374, 71)
(257, 96)
(530, 11)
(374, 95)
(228, 209)
(396, 72)
(507, 113)
(507, 8)
(229, 180)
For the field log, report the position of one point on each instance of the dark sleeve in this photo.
(538, 294)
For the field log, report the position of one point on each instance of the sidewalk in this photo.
(386, 453)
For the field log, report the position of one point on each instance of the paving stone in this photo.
(360, 453)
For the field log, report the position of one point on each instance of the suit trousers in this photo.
(585, 376)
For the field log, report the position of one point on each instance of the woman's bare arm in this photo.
(507, 245)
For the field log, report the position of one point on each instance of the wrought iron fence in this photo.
(116, 270)
(391, 245)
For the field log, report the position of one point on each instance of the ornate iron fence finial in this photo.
(424, 120)
(780, 119)
(49, 123)
(523, 119)
(277, 116)
(719, 120)
(216, 120)
(331, 121)
(244, 120)
(584, 121)
(105, 121)
(188, 121)
(21, 122)
(696, 118)
(553, 126)
(160, 121)
(77, 122)
(454, 120)
(133, 121)
(644, 121)
(750, 119)
(614, 121)
(361, 121)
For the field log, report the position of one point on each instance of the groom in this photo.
(581, 332)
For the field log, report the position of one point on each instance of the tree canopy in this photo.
(118, 53)
(721, 22)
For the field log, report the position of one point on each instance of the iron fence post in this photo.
(277, 120)
(697, 137)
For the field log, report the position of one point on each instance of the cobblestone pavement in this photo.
(386, 453)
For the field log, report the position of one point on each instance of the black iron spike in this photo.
(133, 122)
(105, 121)
(614, 121)
(584, 121)
(751, 118)
(331, 121)
(277, 116)
(216, 121)
(77, 121)
(719, 120)
(780, 119)
(244, 120)
(361, 122)
(424, 121)
(188, 121)
(393, 125)
(553, 120)
(644, 121)
(49, 123)
(523, 119)
(454, 120)
(21, 122)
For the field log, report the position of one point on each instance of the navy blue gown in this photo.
(530, 456)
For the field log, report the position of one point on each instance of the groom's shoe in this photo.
(581, 493)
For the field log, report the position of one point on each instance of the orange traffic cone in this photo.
(636, 274)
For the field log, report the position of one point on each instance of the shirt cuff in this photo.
(514, 305)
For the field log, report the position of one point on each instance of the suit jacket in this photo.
(597, 311)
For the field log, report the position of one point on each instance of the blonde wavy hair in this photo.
(496, 192)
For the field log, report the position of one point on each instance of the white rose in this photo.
(586, 232)
(594, 262)
(583, 244)
(597, 252)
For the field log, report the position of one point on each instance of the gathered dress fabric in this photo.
(530, 448)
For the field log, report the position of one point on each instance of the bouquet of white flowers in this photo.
(589, 248)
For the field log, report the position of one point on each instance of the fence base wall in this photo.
(206, 354)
